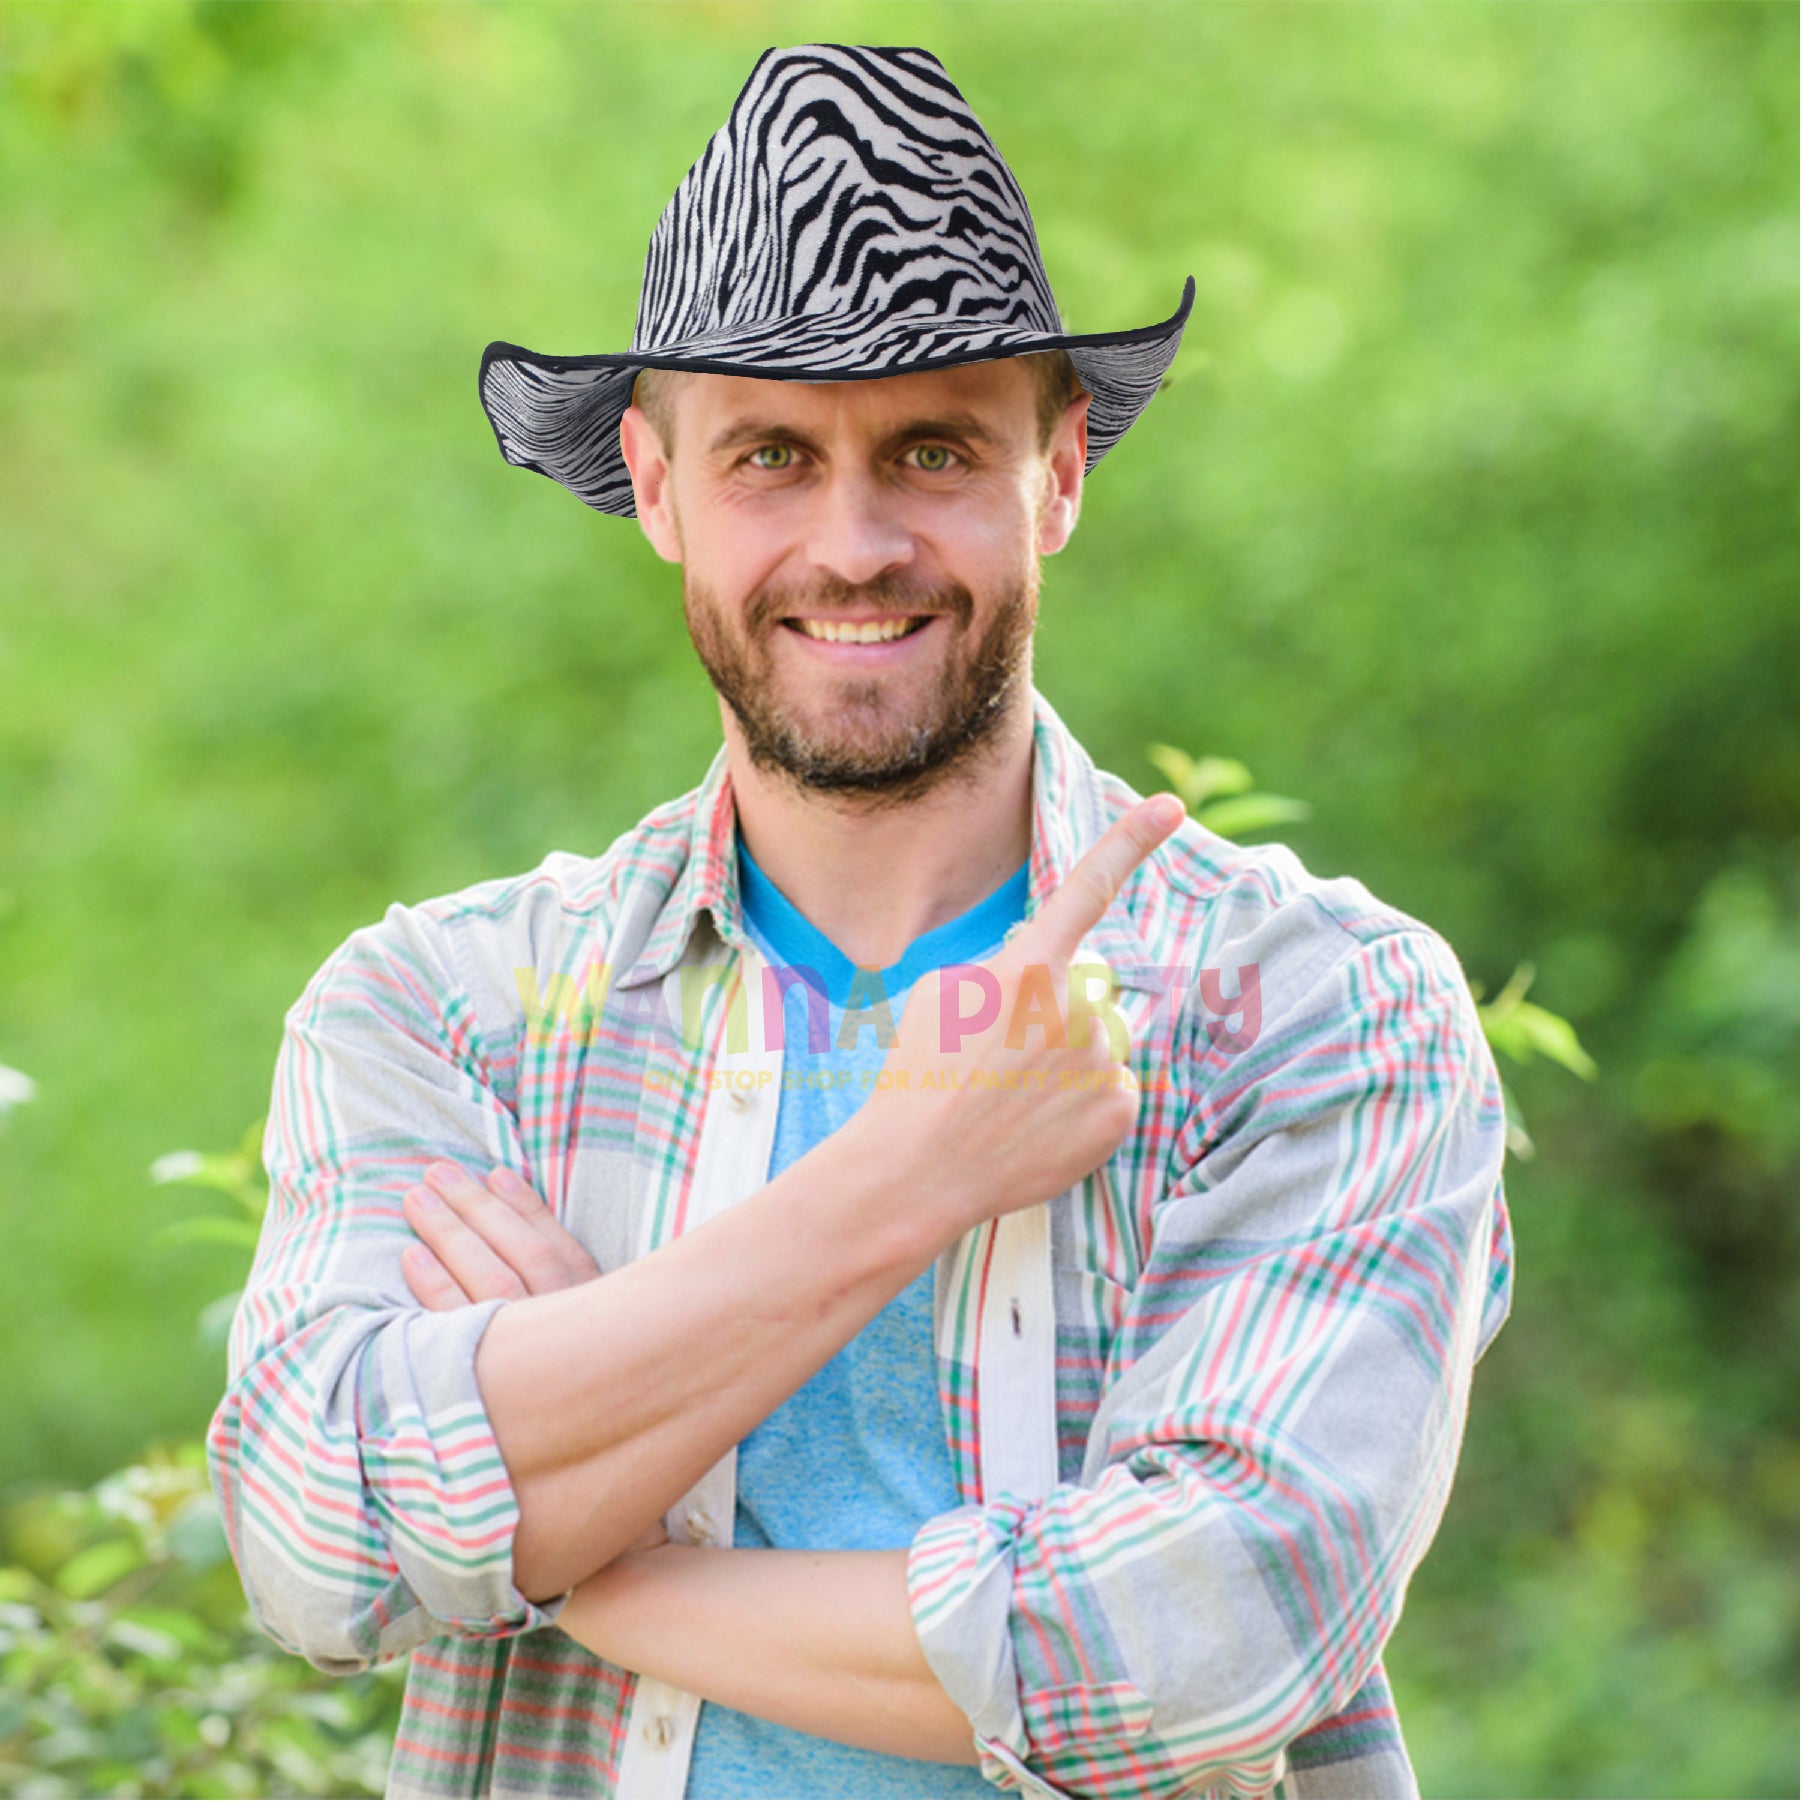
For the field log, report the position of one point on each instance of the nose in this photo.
(857, 532)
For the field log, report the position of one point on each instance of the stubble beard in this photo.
(862, 750)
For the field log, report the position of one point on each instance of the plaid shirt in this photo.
(1204, 1408)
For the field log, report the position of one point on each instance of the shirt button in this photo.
(661, 1731)
(740, 1097)
(700, 1526)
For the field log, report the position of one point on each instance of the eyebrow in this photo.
(965, 427)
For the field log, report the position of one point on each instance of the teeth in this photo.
(874, 631)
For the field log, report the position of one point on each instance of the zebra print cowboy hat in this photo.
(850, 220)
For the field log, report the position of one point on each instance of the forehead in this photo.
(1000, 393)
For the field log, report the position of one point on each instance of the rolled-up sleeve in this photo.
(1285, 1398)
(364, 1495)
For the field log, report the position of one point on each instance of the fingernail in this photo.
(426, 1200)
(1169, 809)
(502, 1177)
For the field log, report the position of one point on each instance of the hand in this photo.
(486, 1241)
(1006, 1126)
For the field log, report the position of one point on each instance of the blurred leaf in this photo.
(1519, 1140)
(15, 1089)
(134, 1635)
(231, 1173)
(1530, 1030)
(178, 1166)
(197, 1535)
(1523, 1030)
(1198, 779)
(1250, 813)
(1215, 791)
(203, 1230)
(188, 1633)
(214, 1326)
(93, 1571)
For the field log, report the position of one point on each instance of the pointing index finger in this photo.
(1085, 894)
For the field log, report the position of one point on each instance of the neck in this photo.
(872, 878)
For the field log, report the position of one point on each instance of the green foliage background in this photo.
(1469, 516)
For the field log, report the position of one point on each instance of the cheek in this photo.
(742, 538)
(721, 546)
(991, 535)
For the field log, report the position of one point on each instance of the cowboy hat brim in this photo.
(559, 415)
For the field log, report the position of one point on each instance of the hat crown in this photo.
(848, 180)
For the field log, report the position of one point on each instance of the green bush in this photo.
(130, 1666)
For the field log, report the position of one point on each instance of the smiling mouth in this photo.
(860, 631)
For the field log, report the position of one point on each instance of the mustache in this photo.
(821, 600)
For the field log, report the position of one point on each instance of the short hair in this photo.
(1052, 370)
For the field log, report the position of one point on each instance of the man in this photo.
(1048, 1378)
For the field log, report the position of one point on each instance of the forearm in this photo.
(609, 1400)
(821, 1641)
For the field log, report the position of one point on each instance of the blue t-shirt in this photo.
(856, 1460)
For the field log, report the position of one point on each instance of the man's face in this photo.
(860, 561)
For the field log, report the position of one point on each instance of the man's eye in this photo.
(782, 455)
(934, 459)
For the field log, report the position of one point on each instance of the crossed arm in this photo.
(820, 1641)
(1218, 1578)
(612, 1395)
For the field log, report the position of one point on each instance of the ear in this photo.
(1062, 493)
(644, 458)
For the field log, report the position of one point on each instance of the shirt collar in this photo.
(1073, 803)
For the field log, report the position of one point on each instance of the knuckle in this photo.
(550, 1230)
